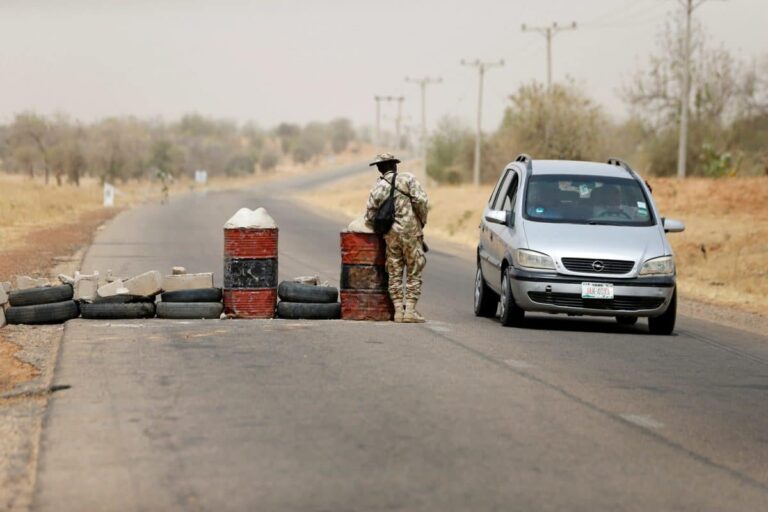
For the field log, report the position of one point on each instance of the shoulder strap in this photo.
(393, 186)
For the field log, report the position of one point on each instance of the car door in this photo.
(507, 240)
(488, 264)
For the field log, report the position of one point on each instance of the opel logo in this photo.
(598, 266)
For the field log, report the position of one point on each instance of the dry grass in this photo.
(722, 256)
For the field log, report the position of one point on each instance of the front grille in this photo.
(588, 266)
(619, 303)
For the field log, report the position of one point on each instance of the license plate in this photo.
(596, 290)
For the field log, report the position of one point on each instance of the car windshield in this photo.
(587, 200)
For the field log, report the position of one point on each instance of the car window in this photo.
(499, 198)
(510, 195)
(495, 192)
(580, 199)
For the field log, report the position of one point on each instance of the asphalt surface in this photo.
(455, 414)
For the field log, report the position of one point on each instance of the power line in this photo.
(481, 68)
(378, 100)
(548, 32)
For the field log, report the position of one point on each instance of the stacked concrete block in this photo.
(147, 284)
(178, 282)
(113, 288)
(86, 286)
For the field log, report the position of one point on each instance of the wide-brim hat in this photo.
(384, 157)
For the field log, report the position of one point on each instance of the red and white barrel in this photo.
(250, 272)
(364, 293)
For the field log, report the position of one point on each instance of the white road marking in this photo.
(131, 326)
(517, 363)
(643, 420)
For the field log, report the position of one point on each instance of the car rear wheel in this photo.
(511, 314)
(665, 323)
(626, 320)
(486, 300)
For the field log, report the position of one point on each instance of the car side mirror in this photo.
(673, 226)
(505, 218)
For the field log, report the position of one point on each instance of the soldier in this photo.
(405, 240)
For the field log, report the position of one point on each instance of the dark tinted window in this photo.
(587, 200)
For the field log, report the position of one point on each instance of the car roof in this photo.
(541, 167)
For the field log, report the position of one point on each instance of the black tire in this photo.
(665, 323)
(195, 295)
(54, 313)
(307, 293)
(46, 295)
(190, 310)
(511, 315)
(110, 311)
(486, 300)
(122, 299)
(626, 320)
(308, 311)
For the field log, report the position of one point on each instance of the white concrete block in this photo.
(86, 286)
(2, 317)
(26, 282)
(187, 282)
(6, 285)
(3, 296)
(177, 271)
(111, 289)
(146, 284)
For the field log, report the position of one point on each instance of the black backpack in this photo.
(385, 217)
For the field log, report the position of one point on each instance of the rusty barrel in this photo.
(250, 272)
(364, 294)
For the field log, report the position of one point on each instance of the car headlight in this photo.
(533, 259)
(659, 266)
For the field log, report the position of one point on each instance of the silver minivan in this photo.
(581, 238)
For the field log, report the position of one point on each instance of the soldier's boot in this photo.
(412, 316)
(398, 311)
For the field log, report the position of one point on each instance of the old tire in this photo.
(665, 323)
(122, 299)
(307, 293)
(190, 310)
(195, 295)
(308, 311)
(46, 295)
(54, 313)
(111, 311)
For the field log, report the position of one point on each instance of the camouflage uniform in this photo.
(405, 249)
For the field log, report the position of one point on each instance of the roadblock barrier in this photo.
(250, 272)
(364, 294)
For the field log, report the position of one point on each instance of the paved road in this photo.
(455, 414)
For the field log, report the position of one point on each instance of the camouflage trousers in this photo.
(405, 255)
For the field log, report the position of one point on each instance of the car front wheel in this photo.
(511, 314)
(665, 323)
(486, 300)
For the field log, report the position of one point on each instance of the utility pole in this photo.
(682, 148)
(398, 120)
(399, 100)
(481, 68)
(378, 99)
(548, 32)
(423, 83)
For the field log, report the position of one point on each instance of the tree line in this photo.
(728, 126)
(61, 149)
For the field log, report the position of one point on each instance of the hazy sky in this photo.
(302, 60)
